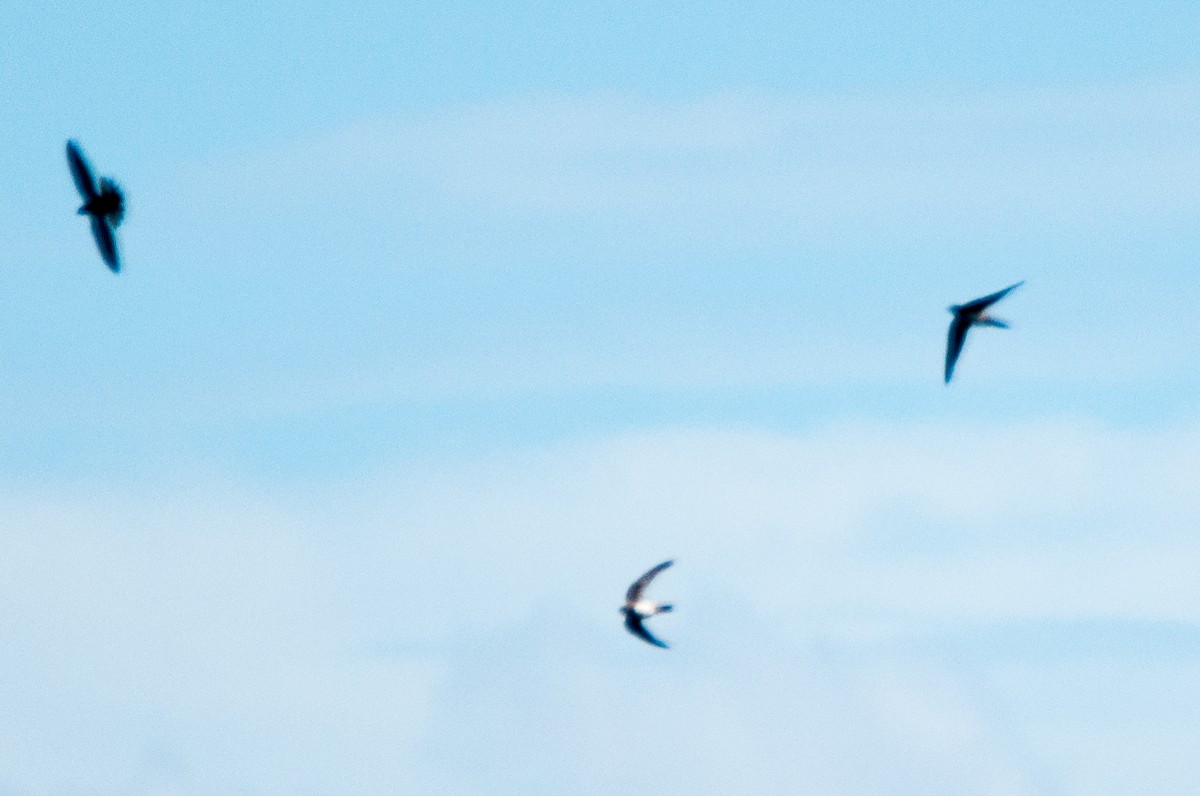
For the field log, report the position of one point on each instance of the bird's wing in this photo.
(980, 304)
(954, 341)
(106, 241)
(80, 172)
(635, 591)
(633, 623)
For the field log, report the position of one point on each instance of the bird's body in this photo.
(103, 203)
(637, 609)
(973, 313)
(108, 203)
(645, 608)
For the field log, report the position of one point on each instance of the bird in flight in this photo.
(637, 609)
(973, 313)
(103, 203)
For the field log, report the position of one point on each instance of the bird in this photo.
(973, 313)
(638, 609)
(104, 204)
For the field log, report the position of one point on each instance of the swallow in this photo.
(637, 609)
(105, 205)
(973, 313)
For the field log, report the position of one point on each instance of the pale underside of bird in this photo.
(637, 608)
(973, 313)
(103, 204)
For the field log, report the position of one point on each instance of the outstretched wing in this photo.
(635, 591)
(981, 304)
(633, 623)
(85, 183)
(954, 342)
(106, 242)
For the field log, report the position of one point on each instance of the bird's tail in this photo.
(999, 324)
(665, 609)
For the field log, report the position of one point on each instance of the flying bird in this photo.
(638, 609)
(104, 204)
(973, 313)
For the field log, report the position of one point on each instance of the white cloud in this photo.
(184, 647)
(454, 623)
(750, 164)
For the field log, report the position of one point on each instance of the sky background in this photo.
(440, 324)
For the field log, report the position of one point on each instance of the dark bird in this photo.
(973, 313)
(104, 204)
(637, 609)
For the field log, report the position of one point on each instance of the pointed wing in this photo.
(633, 623)
(85, 183)
(981, 304)
(955, 340)
(635, 591)
(106, 241)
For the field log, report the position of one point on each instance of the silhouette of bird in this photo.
(637, 609)
(973, 313)
(104, 204)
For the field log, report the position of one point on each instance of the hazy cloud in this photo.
(757, 165)
(860, 607)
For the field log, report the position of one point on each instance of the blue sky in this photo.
(440, 324)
